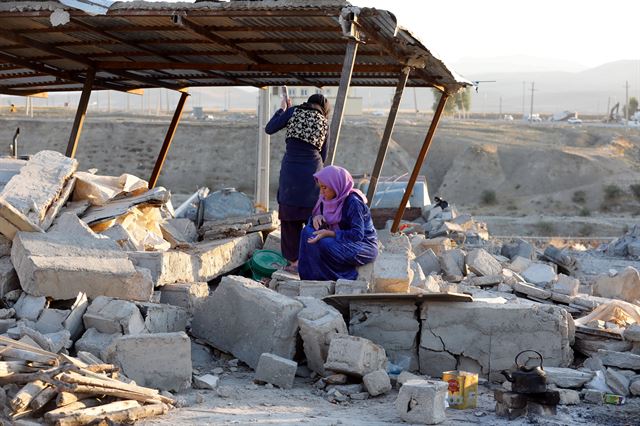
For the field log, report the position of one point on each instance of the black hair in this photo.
(319, 100)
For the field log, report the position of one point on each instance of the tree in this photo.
(633, 106)
(459, 103)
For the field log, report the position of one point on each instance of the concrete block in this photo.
(355, 356)
(567, 377)
(98, 344)
(71, 258)
(634, 388)
(162, 318)
(6, 324)
(74, 323)
(405, 376)
(532, 291)
(289, 288)
(317, 289)
(624, 286)
(8, 277)
(186, 227)
(625, 360)
(418, 275)
(452, 264)
(30, 307)
(208, 381)
(351, 287)
(434, 363)
(377, 382)
(276, 370)
(214, 258)
(50, 320)
(272, 241)
(111, 316)
(166, 267)
(520, 248)
(429, 262)
(482, 263)
(392, 325)
(492, 333)
(539, 273)
(319, 324)
(422, 402)
(438, 245)
(632, 333)
(566, 285)
(185, 295)
(5, 246)
(569, 397)
(161, 361)
(246, 319)
(617, 382)
(519, 264)
(391, 273)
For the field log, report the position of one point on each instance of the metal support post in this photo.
(81, 113)
(421, 157)
(264, 151)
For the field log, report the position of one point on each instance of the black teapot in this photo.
(527, 379)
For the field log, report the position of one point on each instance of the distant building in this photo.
(300, 94)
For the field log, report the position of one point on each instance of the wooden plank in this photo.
(63, 411)
(87, 415)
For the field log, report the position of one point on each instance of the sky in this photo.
(585, 32)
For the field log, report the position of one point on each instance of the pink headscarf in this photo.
(341, 182)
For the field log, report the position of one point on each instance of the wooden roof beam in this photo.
(280, 68)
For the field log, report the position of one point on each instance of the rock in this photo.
(30, 307)
(98, 344)
(317, 289)
(593, 364)
(111, 316)
(162, 318)
(539, 273)
(6, 324)
(505, 288)
(482, 263)
(593, 396)
(567, 377)
(619, 359)
(422, 401)
(276, 370)
(452, 264)
(377, 382)
(429, 262)
(487, 280)
(212, 259)
(533, 291)
(634, 388)
(166, 267)
(492, 334)
(590, 347)
(208, 381)
(520, 248)
(351, 287)
(632, 333)
(561, 298)
(355, 356)
(405, 376)
(161, 360)
(319, 323)
(70, 258)
(569, 397)
(390, 324)
(246, 319)
(345, 389)
(7, 313)
(392, 273)
(273, 241)
(74, 321)
(360, 396)
(438, 245)
(50, 320)
(566, 285)
(418, 275)
(624, 286)
(289, 288)
(8, 277)
(519, 264)
(618, 382)
(336, 379)
(184, 295)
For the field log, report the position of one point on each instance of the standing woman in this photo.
(307, 129)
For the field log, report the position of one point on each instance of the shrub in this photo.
(488, 197)
(635, 190)
(579, 197)
(545, 228)
(584, 212)
(612, 193)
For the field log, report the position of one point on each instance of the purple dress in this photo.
(355, 244)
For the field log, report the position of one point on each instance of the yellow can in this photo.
(463, 389)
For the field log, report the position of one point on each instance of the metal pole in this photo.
(341, 99)
(523, 91)
(531, 110)
(386, 136)
(177, 115)
(264, 151)
(81, 113)
(421, 156)
(626, 103)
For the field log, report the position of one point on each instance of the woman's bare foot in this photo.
(292, 267)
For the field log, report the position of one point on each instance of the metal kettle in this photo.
(527, 379)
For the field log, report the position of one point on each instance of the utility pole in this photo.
(626, 104)
(523, 91)
(500, 108)
(533, 83)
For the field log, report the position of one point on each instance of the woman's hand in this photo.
(317, 221)
(322, 233)
(285, 103)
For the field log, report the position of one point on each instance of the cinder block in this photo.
(351, 287)
(184, 295)
(166, 267)
(422, 401)
(354, 355)
(111, 316)
(98, 344)
(162, 318)
(392, 273)
(276, 370)
(317, 289)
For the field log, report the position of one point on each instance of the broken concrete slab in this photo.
(429, 262)
(351, 287)
(422, 402)
(161, 360)
(626, 360)
(215, 258)
(71, 258)
(98, 344)
(391, 273)
(532, 291)
(438, 245)
(377, 382)
(519, 247)
(52, 342)
(354, 355)
(617, 382)
(272, 242)
(166, 267)
(632, 333)
(208, 381)
(482, 263)
(569, 397)
(289, 288)
(566, 285)
(186, 227)
(567, 377)
(433, 363)
(8, 277)
(492, 334)
(5, 246)
(487, 280)
(540, 274)
(319, 324)
(6, 324)
(276, 370)
(111, 316)
(50, 320)
(317, 289)
(624, 286)
(519, 264)
(163, 318)
(30, 307)
(73, 323)
(186, 295)
(268, 323)
(452, 264)
(418, 275)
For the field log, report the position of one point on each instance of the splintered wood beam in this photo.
(78, 122)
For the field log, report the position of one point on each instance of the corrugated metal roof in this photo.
(176, 45)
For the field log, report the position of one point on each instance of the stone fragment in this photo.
(452, 264)
(561, 298)
(8, 277)
(520, 248)
(505, 288)
(52, 342)
(391, 273)
(111, 316)
(418, 275)
(617, 382)
(185, 227)
(482, 263)
(30, 307)
(539, 273)
(593, 396)
(624, 286)
(377, 382)
(6, 324)
(5, 246)
(354, 355)
(567, 377)
(422, 401)
(98, 344)
(74, 322)
(319, 324)
(276, 370)
(429, 262)
(487, 280)
(438, 245)
(632, 333)
(212, 259)
(7, 313)
(360, 396)
(71, 258)
(405, 376)
(351, 287)
(634, 388)
(519, 264)
(317, 289)
(345, 389)
(590, 346)
(185, 295)
(166, 267)
(246, 319)
(289, 288)
(531, 290)
(569, 397)
(162, 318)
(161, 361)
(50, 320)
(208, 381)
(336, 379)
(625, 360)
(593, 363)
(273, 241)
(566, 285)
